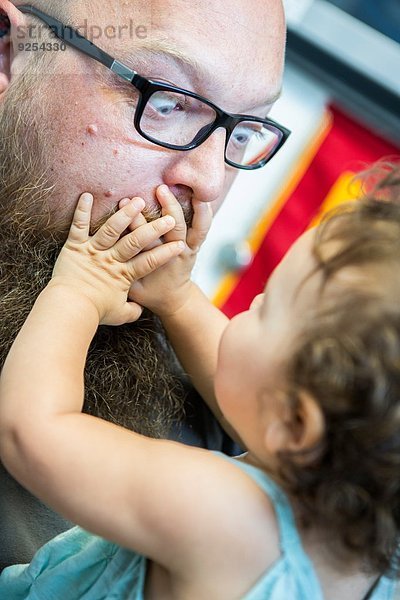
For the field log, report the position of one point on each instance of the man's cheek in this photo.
(216, 205)
(230, 179)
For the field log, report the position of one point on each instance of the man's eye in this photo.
(165, 104)
(243, 135)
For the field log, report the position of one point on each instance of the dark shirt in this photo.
(26, 523)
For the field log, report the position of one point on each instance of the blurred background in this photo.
(342, 102)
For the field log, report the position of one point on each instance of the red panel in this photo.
(347, 147)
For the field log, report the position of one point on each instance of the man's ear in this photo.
(10, 20)
(296, 429)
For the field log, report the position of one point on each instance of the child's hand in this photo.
(166, 290)
(103, 267)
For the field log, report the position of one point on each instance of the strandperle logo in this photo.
(93, 32)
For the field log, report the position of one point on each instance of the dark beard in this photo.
(132, 376)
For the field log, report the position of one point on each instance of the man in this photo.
(67, 126)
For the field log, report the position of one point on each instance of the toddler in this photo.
(308, 380)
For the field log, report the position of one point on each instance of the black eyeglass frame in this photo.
(147, 87)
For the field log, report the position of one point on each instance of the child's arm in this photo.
(195, 332)
(193, 324)
(175, 504)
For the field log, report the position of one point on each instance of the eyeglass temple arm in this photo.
(73, 38)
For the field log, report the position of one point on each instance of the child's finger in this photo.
(123, 202)
(150, 261)
(133, 243)
(138, 222)
(112, 229)
(201, 223)
(171, 206)
(79, 230)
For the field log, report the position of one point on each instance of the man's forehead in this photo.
(254, 14)
(258, 20)
(150, 53)
(239, 65)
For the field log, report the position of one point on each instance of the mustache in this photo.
(150, 214)
(63, 221)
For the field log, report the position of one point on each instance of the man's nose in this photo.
(203, 169)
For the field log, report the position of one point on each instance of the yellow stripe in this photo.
(345, 189)
(230, 281)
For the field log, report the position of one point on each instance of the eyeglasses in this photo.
(179, 119)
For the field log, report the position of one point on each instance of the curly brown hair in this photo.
(348, 359)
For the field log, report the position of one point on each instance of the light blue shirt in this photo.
(77, 565)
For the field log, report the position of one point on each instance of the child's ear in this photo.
(296, 429)
(11, 20)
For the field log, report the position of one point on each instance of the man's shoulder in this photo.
(200, 428)
(25, 522)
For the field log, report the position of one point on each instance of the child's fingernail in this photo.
(164, 189)
(124, 202)
(181, 245)
(138, 203)
(86, 198)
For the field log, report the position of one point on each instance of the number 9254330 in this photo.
(45, 46)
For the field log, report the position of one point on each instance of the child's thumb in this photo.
(131, 312)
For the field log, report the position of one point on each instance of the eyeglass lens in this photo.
(176, 119)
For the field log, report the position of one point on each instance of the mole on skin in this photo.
(92, 129)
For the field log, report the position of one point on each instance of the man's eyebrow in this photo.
(269, 101)
(164, 49)
(161, 49)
